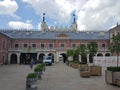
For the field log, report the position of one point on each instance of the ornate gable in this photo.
(62, 36)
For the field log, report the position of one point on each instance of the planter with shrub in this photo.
(31, 81)
(38, 71)
(43, 66)
(112, 74)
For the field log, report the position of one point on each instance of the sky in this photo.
(89, 14)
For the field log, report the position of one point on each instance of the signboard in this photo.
(106, 61)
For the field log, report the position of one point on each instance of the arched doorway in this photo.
(25, 58)
(50, 54)
(41, 57)
(13, 59)
(99, 54)
(107, 54)
(64, 57)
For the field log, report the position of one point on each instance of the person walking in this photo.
(31, 63)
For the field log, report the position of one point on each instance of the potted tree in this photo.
(112, 74)
(75, 63)
(38, 71)
(93, 48)
(31, 81)
(70, 53)
(84, 68)
(82, 51)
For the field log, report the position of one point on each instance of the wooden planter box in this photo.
(76, 65)
(83, 67)
(118, 82)
(96, 70)
(111, 77)
(85, 73)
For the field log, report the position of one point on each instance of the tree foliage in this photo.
(70, 52)
(82, 50)
(115, 46)
(92, 48)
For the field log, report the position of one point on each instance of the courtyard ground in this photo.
(56, 77)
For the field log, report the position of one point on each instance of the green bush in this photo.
(38, 68)
(82, 62)
(114, 69)
(42, 64)
(31, 75)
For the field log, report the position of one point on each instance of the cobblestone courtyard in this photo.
(56, 77)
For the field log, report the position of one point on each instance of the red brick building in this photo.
(18, 46)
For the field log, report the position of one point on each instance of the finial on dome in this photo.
(74, 18)
(43, 17)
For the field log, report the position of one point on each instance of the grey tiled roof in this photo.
(91, 35)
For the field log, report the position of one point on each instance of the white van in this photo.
(47, 60)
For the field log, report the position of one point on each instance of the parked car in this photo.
(47, 60)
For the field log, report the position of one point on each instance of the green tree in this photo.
(92, 48)
(82, 51)
(76, 54)
(70, 53)
(115, 46)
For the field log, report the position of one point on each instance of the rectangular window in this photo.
(42, 45)
(50, 46)
(73, 45)
(25, 45)
(62, 46)
(34, 45)
(103, 45)
(16, 45)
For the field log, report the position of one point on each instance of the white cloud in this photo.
(8, 7)
(91, 14)
(98, 14)
(55, 9)
(39, 26)
(20, 25)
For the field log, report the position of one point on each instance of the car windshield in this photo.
(48, 58)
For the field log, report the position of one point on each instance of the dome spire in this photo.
(43, 17)
(74, 18)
